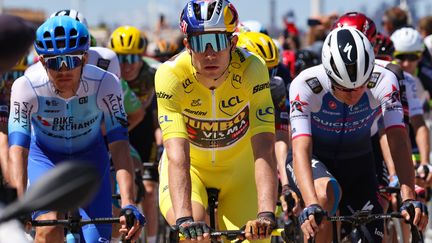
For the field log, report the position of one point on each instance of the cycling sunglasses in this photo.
(408, 57)
(343, 89)
(12, 75)
(128, 58)
(217, 41)
(70, 61)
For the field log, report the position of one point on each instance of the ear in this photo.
(186, 44)
(85, 58)
(41, 59)
(234, 40)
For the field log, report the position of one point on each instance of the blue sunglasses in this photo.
(70, 61)
(128, 58)
(217, 41)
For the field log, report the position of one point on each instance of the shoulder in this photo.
(94, 73)
(314, 79)
(96, 52)
(36, 74)
(381, 77)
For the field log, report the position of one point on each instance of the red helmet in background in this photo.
(384, 47)
(360, 22)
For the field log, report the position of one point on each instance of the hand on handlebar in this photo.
(193, 230)
(420, 213)
(133, 231)
(290, 200)
(310, 219)
(261, 227)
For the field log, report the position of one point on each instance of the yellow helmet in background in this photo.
(127, 40)
(260, 44)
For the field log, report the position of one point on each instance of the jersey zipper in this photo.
(213, 117)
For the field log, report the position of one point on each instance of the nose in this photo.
(209, 52)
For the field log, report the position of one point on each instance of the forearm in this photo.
(281, 151)
(422, 140)
(179, 180)
(267, 187)
(265, 171)
(124, 170)
(400, 149)
(302, 169)
(18, 168)
(388, 160)
(4, 150)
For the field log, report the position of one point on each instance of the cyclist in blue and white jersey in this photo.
(57, 114)
(333, 106)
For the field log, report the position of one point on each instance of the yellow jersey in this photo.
(218, 123)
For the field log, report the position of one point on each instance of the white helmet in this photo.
(348, 57)
(71, 13)
(407, 40)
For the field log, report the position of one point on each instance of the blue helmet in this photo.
(61, 35)
(210, 15)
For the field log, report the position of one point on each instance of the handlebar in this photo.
(175, 236)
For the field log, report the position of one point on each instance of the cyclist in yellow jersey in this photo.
(217, 119)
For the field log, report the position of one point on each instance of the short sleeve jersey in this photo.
(71, 125)
(338, 129)
(219, 123)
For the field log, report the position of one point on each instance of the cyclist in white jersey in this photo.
(57, 116)
(333, 106)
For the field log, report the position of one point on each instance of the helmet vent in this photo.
(73, 32)
(83, 40)
(334, 68)
(59, 31)
(197, 11)
(211, 9)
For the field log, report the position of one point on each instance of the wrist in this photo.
(181, 220)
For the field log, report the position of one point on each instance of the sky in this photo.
(144, 13)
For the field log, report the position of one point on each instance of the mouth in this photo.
(211, 67)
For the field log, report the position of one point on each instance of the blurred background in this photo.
(152, 16)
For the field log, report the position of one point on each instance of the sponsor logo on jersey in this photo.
(393, 95)
(266, 114)
(198, 113)
(373, 80)
(187, 86)
(68, 123)
(43, 121)
(22, 113)
(236, 81)
(103, 63)
(347, 125)
(115, 106)
(332, 105)
(83, 100)
(51, 103)
(164, 119)
(314, 85)
(240, 54)
(228, 103)
(297, 104)
(51, 111)
(163, 95)
(260, 87)
(196, 102)
(235, 65)
(217, 133)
